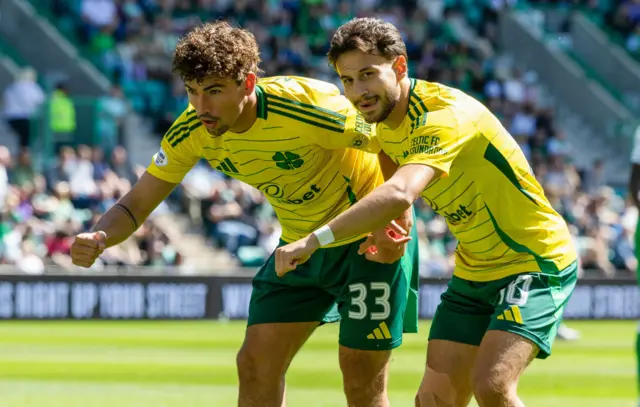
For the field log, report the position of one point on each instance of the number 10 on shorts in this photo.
(517, 292)
(380, 292)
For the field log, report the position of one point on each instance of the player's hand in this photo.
(288, 257)
(87, 247)
(405, 221)
(385, 245)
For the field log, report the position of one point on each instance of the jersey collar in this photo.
(262, 103)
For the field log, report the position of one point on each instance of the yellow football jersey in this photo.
(492, 202)
(310, 152)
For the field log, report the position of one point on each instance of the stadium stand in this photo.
(623, 18)
(453, 42)
(40, 214)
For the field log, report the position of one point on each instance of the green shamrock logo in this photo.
(287, 160)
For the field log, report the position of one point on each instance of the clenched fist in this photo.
(87, 247)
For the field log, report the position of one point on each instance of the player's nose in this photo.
(202, 105)
(361, 90)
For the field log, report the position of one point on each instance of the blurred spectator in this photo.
(21, 101)
(5, 168)
(121, 166)
(100, 166)
(559, 145)
(63, 167)
(624, 17)
(594, 178)
(62, 116)
(84, 189)
(98, 15)
(231, 215)
(111, 113)
(23, 173)
(41, 215)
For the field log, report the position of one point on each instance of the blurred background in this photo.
(87, 94)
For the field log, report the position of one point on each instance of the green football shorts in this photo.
(375, 303)
(528, 304)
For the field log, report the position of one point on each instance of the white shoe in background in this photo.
(568, 334)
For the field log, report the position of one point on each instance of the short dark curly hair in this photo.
(369, 35)
(216, 50)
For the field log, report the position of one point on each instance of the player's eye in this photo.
(213, 91)
(347, 81)
(191, 91)
(367, 74)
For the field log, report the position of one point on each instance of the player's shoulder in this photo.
(435, 107)
(297, 88)
(308, 102)
(433, 96)
(443, 121)
(186, 127)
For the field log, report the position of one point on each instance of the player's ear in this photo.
(250, 83)
(400, 67)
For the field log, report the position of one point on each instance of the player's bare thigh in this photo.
(365, 374)
(265, 356)
(501, 360)
(447, 377)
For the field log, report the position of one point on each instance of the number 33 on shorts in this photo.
(381, 293)
(371, 314)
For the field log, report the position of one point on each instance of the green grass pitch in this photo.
(167, 364)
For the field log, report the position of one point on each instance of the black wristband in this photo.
(128, 213)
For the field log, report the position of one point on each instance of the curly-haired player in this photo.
(303, 145)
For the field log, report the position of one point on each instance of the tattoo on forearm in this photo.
(127, 212)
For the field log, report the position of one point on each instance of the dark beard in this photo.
(218, 131)
(386, 111)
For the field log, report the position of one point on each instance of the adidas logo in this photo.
(381, 332)
(227, 166)
(512, 314)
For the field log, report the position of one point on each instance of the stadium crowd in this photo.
(133, 40)
(620, 17)
(40, 213)
(624, 17)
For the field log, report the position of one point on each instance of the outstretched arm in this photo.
(177, 155)
(385, 204)
(121, 220)
(374, 211)
(124, 218)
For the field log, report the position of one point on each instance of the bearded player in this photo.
(296, 140)
(515, 262)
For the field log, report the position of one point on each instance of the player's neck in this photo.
(399, 112)
(248, 116)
